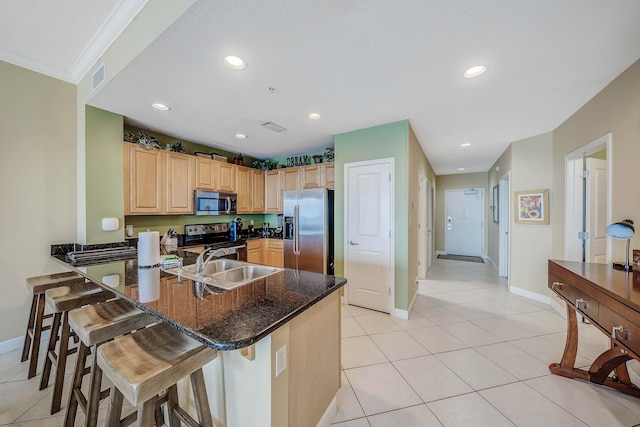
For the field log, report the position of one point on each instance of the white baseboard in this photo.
(531, 295)
(329, 414)
(18, 342)
(435, 255)
(404, 314)
(560, 308)
(488, 260)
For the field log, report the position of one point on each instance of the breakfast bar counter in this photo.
(284, 328)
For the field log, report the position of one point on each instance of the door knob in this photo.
(352, 243)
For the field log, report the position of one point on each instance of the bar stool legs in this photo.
(59, 358)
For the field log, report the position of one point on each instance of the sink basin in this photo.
(214, 266)
(224, 273)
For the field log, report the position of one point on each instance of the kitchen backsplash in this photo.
(162, 223)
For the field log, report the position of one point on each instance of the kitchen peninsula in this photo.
(289, 311)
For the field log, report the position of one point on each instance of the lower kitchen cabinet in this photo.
(254, 251)
(275, 253)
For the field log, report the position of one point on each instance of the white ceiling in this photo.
(360, 63)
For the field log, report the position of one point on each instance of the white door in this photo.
(596, 210)
(464, 222)
(368, 246)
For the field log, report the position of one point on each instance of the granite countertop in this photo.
(224, 320)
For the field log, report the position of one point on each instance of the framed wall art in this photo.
(532, 207)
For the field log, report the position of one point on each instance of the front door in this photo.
(368, 246)
(464, 222)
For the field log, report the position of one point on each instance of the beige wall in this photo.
(457, 182)
(419, 166)
(530, 245)
(498, 171)
(615, 109)
(37, 169)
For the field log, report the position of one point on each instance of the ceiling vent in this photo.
(98, 77)
(274, 127)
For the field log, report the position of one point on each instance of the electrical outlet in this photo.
(281, 360)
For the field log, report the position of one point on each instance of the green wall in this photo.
(104, 174)
(162, 223)
(386, 141)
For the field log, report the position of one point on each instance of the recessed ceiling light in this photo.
(241, 135)
(234, 62)
(160, 107)
(314, 116)
(461, 168)
(465, 145)
(475, 71)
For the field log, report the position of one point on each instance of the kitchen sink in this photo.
(224, 273)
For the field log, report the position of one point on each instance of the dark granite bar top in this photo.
(224, 320)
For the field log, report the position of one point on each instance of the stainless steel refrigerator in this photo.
(308, 230)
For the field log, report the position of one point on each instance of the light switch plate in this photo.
(281, 360)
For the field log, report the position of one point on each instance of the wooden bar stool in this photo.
(35, 325)
(94, 325)
(61, 300)
(152, 360)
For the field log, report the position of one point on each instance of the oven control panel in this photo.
(202, 229)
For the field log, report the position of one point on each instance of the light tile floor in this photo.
(471, 354)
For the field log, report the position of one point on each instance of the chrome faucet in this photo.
(200, 264)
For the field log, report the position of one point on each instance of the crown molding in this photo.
(36, 66)
(119, 19)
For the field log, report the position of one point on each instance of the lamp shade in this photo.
(622, 230)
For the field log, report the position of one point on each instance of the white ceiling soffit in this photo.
(62, 38)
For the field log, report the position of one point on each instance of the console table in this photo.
(610, 299)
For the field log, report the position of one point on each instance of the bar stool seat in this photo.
(144, 364)
(61, 300)
(94, 325)
(35, 325)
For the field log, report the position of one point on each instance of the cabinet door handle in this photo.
(581, 301)
(615, 330)
(556, 286)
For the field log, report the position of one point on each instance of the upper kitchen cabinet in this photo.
(143, 177)
(244, 187)
(272, 194)
(289, 179)
(258, 190)
(157, 181)
(179, 182)
(226, 177)
(329, 175)
(206, 174)
(317, 176)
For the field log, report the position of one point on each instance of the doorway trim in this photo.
(504, 225)
(391, 306)
(574, 165)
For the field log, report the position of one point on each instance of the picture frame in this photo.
(496, 204)
(532, 207)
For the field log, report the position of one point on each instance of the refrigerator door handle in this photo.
(296, 230)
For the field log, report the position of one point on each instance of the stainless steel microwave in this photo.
(215, 202)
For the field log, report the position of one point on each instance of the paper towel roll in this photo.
(148, 248)
(148, 284)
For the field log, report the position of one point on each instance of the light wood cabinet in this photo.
(254, 251)
(143, 177)
(206, 174)
(275, 253)
(226, 176)
(289, 179)
(244, 188)
(258, 205)
(272, 194)
(179, 171)
(312, 176)
(329, 175)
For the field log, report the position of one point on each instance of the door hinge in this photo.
(585, 173)
(389, 177)
(389, 233)
(389, 291)
(583, 235)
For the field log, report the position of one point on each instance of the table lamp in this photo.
(622, 230)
